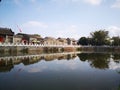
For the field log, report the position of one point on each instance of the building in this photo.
(71, 41)
(40, 41)
(17, 39)
(23, 37)
(62, 41)
(32, 39)
(49, 41)
(6, 35)
(27, 38)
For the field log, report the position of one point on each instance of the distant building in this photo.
(71, 41)
(6, 35)
(27, 38)
(40, 41)
(18, 39)
(62, 41)
(49, 41)
(32, 39)
(24, 38)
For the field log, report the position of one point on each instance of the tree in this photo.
(83, 41)
(99, 37)
(116, 41)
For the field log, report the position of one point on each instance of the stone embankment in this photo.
(99, 49)
(37, 48)
(11, 48)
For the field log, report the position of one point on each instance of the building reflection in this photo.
(7, 63)
(96, 60)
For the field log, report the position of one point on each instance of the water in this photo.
(82, 71)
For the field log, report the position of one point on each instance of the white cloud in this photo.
(52, 29)
(19, 2)
(93, 2)
(116, 4)
(36, 24)
(34, 27)
(68, 31)
(114, 30)
(65, 1)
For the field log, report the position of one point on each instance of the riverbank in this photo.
(38, 48)
(30, 49)
(100, 49)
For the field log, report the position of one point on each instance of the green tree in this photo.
(100, 37)
(83, 41)
(116, 41)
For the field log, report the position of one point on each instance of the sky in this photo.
(61, 18)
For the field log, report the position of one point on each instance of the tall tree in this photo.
(83, 41)
(116, 41)
(99, 37)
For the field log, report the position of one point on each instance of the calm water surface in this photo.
(83, 71)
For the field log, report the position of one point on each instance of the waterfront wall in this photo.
(30, 49)
(37, 48)
(99, 48)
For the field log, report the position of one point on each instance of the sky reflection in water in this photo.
(74, 72)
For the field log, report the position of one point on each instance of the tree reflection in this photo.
(119, 87)
(116, 57)
(97, 60)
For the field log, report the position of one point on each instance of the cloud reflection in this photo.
(113, 65)
(55, 65)
(36, 69)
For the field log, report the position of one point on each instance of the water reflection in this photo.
(101, 60)
(7, 63)
(96, 60)
(60, 71)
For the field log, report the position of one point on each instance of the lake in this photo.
(60, 71)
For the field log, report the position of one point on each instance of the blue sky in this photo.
(61, 18)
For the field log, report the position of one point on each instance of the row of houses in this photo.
(8, 36)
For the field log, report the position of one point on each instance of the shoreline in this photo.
(37, 48)
(30, 49)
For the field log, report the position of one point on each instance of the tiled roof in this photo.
(18, 36)
(62, 39)
(29, 35)
(49, 38)
(6, 31)
(72, 39)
